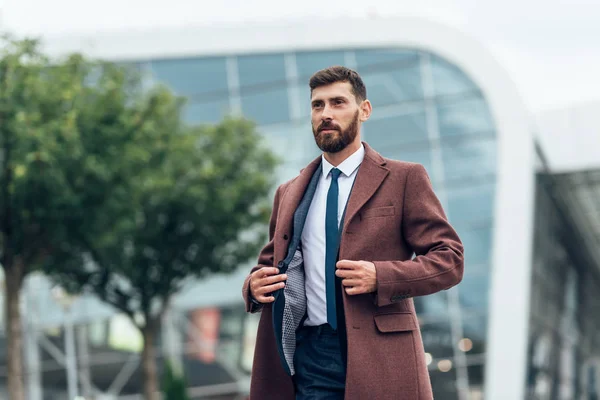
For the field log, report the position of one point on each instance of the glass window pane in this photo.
(434, 305)
(422, 155)
(192, 77)
(474, 288)
(308, 63)
(474, 329)
(391, 76)
(477, 243)
(437, 338)
(294, 144)
(394, 87)
(465, 117)
(474, 156)
(261, 69)
(266, 106)
(387, 59)
(206, 113)
(448, 79)
(471, 204)
(397, 130)
(443, 383)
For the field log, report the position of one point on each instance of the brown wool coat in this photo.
(392, 213)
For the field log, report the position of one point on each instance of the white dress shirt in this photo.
(313, 234)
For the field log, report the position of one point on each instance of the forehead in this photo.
(337, 89)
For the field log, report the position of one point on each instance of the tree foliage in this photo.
(108, 191)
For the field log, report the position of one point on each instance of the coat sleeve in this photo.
(265, 257)
(439, 259)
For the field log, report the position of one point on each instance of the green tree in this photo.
(34, 104)
(174, 386)
(106, 190)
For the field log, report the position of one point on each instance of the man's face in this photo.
(335, 115)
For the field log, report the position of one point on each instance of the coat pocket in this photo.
(377, 212)
(395, 322)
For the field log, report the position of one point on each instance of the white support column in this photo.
(71, 356)
(172, 343)
(31, 345)
(84, 361)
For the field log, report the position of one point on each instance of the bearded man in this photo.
(335, 284)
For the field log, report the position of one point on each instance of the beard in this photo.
(336, 142)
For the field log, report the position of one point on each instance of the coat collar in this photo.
(370, 176)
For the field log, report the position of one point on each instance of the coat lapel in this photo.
(292, 198)
(370, 176)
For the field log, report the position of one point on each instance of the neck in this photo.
(336, 159)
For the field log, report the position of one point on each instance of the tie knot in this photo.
(335, 174)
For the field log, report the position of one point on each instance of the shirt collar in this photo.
(348, 166)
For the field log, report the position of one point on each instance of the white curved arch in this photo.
(513, 228)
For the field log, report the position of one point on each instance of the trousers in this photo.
(320, 369)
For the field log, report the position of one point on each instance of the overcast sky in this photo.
(551, 48)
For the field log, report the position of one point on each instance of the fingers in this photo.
(351, 282)
(347, 264)
(351, 291)
(265, 271)
(264, 282)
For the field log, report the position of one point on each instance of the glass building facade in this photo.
(564, 333)
(425, 110)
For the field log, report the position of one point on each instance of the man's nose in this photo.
(326, 114)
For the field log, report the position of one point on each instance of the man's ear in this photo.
(365, 110)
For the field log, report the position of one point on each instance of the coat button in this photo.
(285, 237)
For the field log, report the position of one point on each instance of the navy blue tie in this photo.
(331, 245)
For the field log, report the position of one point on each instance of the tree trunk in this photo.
(149, 372)
(16, 390)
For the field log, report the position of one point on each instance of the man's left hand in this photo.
(358, 277)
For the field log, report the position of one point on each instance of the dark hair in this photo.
(338, 73)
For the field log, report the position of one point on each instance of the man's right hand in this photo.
(265, 281)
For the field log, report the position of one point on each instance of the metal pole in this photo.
(71, 360)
